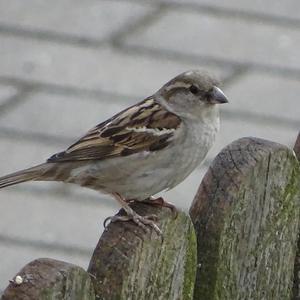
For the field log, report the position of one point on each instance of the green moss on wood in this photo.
(257, 252)
(247, 223)
(190, 265)
(130, 264)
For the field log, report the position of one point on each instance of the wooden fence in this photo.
(244, 221)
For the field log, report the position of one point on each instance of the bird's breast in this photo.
(194, 146)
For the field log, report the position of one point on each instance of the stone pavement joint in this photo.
(80, 25)
(258, 16)
(139, 24)
(64, 89)
(237, 72)
(230, 13)
(14, 100)
(45, 35)
(209, 60)
(11, 241)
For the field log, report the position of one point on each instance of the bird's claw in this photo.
(142, 221)
(162, 203)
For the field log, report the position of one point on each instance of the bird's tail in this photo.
(33, 173)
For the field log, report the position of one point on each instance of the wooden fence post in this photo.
(128, 263)
(246, 216)
(297, 147)
(296, 287)
(131, 264)
(49, 279)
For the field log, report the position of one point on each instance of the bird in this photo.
(147, 148)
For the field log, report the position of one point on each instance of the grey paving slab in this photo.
(16, 154)
(61, 115)
(84, 19)
(103, 68)
(237, 128)
(183, 194)
(287, 9)
(50, 219)
(266, 95)
(14, 257)
(6, 92)
(222, 37)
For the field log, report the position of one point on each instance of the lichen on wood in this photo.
(296, 285)
(129, 263)
(49, 279)
(246, 215)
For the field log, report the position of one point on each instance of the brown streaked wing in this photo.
(114, 138)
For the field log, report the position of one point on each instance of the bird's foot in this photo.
(142, 221)
(162, 203)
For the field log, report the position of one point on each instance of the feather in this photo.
(146, 126)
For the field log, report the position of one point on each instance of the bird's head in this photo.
(191, 93)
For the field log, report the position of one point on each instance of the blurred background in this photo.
(67, 65)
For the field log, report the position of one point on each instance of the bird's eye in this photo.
(193, 89)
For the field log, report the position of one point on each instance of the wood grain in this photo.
(45, 279)
(129, 263)
(246, 215)
(296, 286)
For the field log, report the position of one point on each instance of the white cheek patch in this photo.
(154, 131)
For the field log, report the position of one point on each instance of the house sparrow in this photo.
(147, 148)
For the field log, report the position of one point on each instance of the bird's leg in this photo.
(131, 215)
(161, 203)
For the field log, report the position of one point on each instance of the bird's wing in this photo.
(146, 126)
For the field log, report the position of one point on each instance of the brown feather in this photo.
(114, 138)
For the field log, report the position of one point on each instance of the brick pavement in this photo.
(67, 65)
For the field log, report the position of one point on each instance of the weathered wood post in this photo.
(131, 264)
(297, 147)
(246, 215)
(45, 279)
(296, 287)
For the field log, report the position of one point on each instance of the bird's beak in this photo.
(217, 96)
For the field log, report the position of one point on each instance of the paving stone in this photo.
(6, 92)
(183, 194)
(287, 9)
(103, 68)
(237, 128)
(61, 115)
(266, 95)
(50, 219)
(222, 37)
(84, 19)
(16, 154)
(15, 257)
